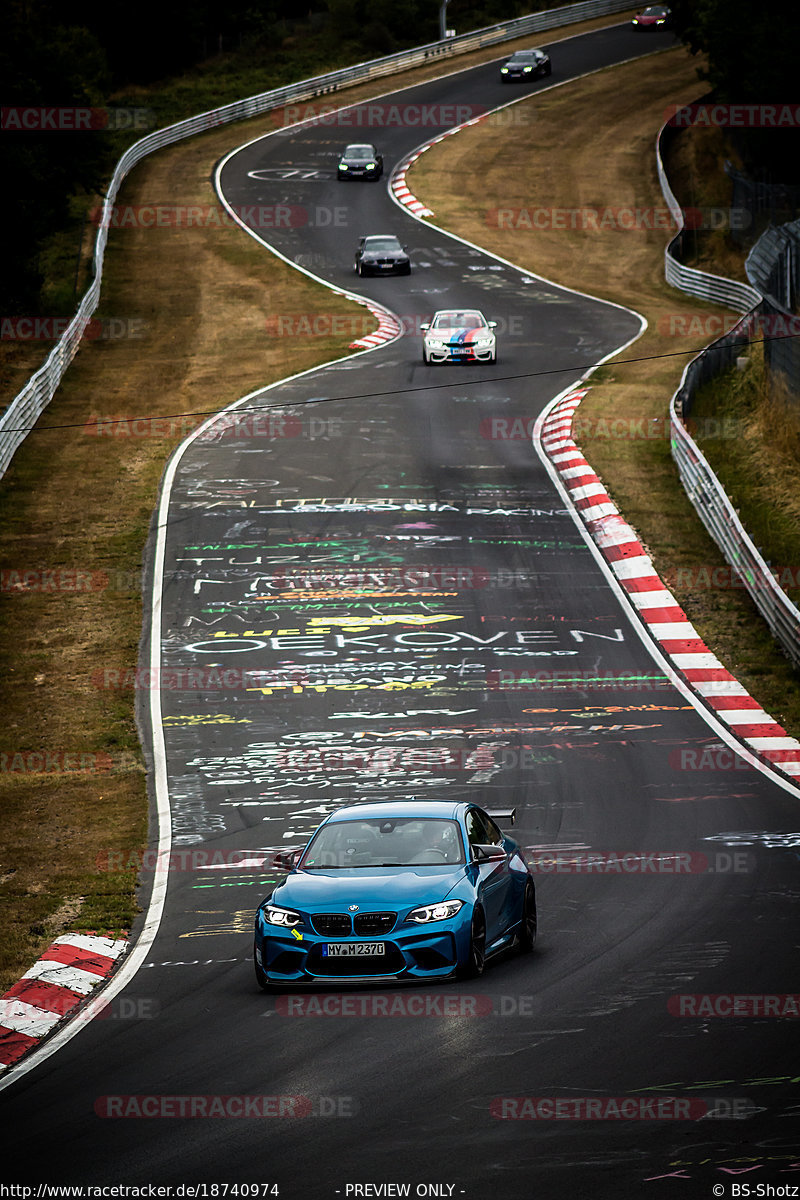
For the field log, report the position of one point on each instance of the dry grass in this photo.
(77, 502)
(547, 161)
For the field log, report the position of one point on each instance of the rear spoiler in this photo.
(502, 814)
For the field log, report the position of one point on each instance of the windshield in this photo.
(366, 152)
(525, 56)
(458, 320)
(381, 243)
(384, 842)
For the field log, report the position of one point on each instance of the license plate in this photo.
(460, 350)
(353, 949)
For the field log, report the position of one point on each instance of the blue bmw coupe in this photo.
(396, 890)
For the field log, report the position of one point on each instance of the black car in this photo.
(382, 254)
(360, 161)
(525, 64)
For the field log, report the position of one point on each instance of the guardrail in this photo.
(27, 407)
(715, 510)
(710, 501)
(714, 288)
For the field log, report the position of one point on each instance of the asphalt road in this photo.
(346, 577)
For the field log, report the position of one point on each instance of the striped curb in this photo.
(68, 971)
(656, 606)
(400, 189)
(388, 325)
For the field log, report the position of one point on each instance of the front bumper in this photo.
(373, 267)
(464, 353)
(411, 953)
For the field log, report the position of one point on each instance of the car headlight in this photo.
(483, 341)
(286, 917)
(434, 343)
(371, 166)
(343, 167)
(504, 70)
(435, 912)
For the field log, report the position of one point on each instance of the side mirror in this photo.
(427, 325)
(492, 324)
(488, 852)
(286, 860)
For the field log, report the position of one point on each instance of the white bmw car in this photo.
(459, 335)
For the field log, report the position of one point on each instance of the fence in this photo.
(773, 265)
(26, 408)
(767, 203)
(701, 484)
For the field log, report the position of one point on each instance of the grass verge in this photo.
(548, 167)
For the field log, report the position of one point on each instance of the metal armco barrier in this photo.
(26, 408)
(719, 517)
(714, 288)
(705, 491)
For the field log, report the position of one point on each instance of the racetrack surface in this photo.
(354, 571)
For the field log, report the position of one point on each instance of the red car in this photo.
(654, 17)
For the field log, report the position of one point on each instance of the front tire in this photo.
(476, 962)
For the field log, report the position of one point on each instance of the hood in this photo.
(460, 336)
(372, 888)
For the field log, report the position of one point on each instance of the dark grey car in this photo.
(360, 161)
(525, 64)
(382, 254)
